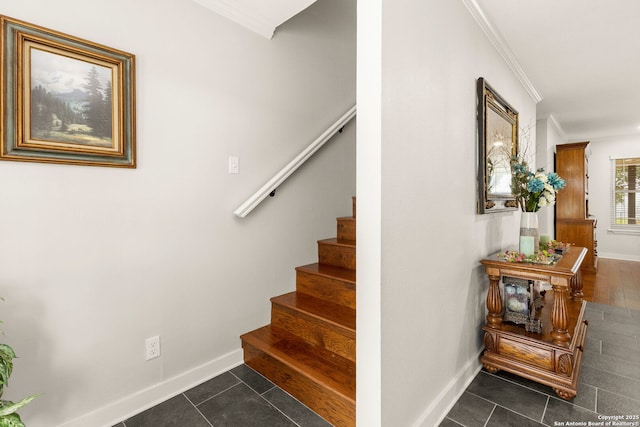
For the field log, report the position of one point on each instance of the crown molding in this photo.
(557, 126)
(259, 16)
(502, 47)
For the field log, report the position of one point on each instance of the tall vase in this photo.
(529, 235)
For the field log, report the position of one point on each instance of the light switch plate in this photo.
(234, 164)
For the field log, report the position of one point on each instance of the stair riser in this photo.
(328, 336)
(347, 229)
(338, 255)
(335, 408)
(327, 288)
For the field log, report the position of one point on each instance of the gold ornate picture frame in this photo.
(497, 126)
(64, 99)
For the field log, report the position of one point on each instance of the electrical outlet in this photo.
(153, 347)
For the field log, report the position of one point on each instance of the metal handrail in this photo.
(270, 187)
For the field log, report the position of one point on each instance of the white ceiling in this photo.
(260, 16)
(582, 56)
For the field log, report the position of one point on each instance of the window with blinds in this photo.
(625, 200)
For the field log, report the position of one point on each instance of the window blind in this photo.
(625, 194)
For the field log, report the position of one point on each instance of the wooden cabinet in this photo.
(573, 223)
(554, 355)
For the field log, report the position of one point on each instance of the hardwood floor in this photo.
(616, 283)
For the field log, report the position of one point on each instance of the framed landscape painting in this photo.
(64, 99)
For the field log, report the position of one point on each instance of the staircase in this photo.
(309, 349)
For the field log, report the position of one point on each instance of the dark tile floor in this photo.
(237, 398)
(609, 383)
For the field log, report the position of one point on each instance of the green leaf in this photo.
(6, 363)
(5, 348)
(11, 420)
(5, 371)
(7, 407)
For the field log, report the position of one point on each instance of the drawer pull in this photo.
(586, 322)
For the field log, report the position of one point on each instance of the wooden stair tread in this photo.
(335, 241)
(322, 310)
(344, 274)
(323, 367)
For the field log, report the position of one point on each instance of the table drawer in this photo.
(526, 352)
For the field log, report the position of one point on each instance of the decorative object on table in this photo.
(522, 303)
(529, 241)
(8, 415)
(542, 287)
(532, 191)
(556, 247)
(497, 138)
(540, 257)
(65, 100)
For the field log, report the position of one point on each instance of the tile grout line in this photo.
(613, 373)
(495, 405)
(276, 408)
(197, 409)
(251, 388)
(614, 393)
(544, 411)
(518, 384)
(215, 395)
(267, 400)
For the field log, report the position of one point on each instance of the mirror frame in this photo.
(489, 100)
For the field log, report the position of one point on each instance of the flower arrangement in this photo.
(533, 190)
(541, 257)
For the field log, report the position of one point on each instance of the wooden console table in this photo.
(553, 356)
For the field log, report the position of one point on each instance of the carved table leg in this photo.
(576, 287)
(494, 303)
(559, 317)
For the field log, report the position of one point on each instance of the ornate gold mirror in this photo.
(497, 144)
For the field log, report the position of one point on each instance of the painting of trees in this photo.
(78, 111)
(66, 100)
(97, 109)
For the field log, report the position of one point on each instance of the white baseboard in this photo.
(623, 257)
(135, 403)
(440, 407)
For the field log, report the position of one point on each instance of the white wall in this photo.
(610, 245)
(95, 260)
(547, 137)
(369, 180)
(432, 286)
